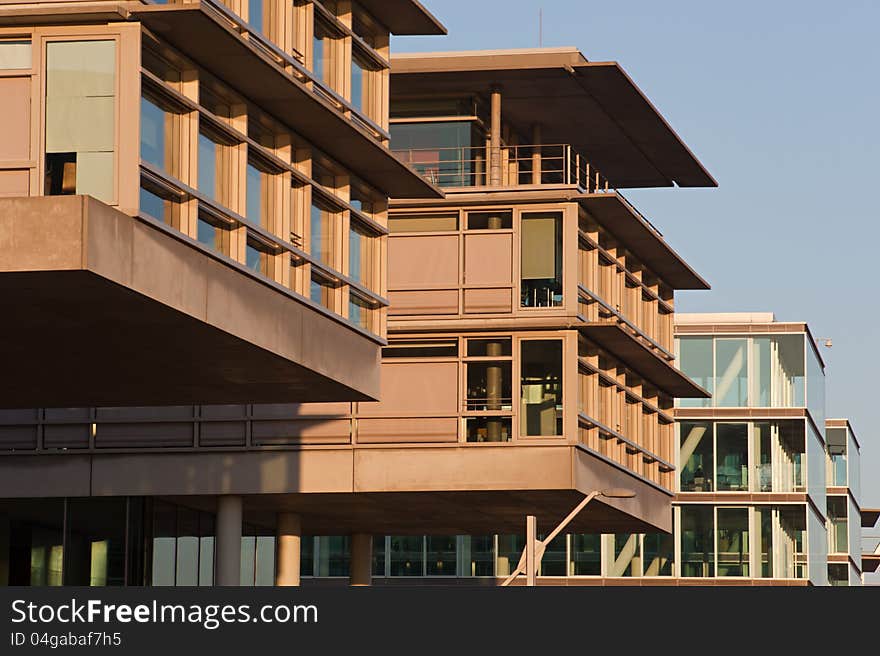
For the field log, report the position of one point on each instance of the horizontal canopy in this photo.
(594, 106)
(404, 17)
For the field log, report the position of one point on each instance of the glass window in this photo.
(164, 544)
(733, 542)
(510, 550)
(256, 258)
(541, 260)
(488, 347)
(764, 517)
(837, 525)
(212, 234)
(155, 128)
(696, 456)
(586, 554)
(423, 223)
(321, 234)
(81, 118)
(763, 455)
(477, 555)
(421, 349)
(835, 439)
(695, 360)
(838, 574)
(15, 54)
(541, 387)
(31, 542)
(490, 220)
(360, 255)
(778, 371)
(321, 292)
(255, 14)
(257, 197)
(659, 554)
(815, 387)
(322, 47)
(732, 462)
(407, 556)
(209, 161)
(626, 557)
(447, 153)
(488, 386)
(361, 73)
(731, 373)
(378, 555)
(360, 312)
(697, 541)
(489, 429)
(553, 562)
(441, 555)
(158, 207)
(307, 556)
(333, 556)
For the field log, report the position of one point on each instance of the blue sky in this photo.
(780, 102)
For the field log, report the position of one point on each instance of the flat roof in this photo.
(594, 106)
(869, 517)
(404, 17)
(843, 422)
(724, 317)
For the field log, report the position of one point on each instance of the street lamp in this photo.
(535, 548)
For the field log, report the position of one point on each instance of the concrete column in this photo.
(228, 542)
(361, 559)
(288, 547)
(494, 380)
(536, 154)
(495, 138)
(531, 555)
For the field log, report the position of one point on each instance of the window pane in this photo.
(553, 563)
(541, 260)
(153, 120)
(164, 545)
(358, 79)
(187, 547)
(360, 256)
(488, 347)
(659, 554)
(541, 387)
(488, 386)
(154, 205)
(626, 559)
(697, 541)
(489, 220)
(586, 555)
(407, 556)
(477, 555)
(697, 462)
(378, 555)
(765, 522)
(731, 382)
(208, 166)
(441, 555)
(321, 234)
(333, 556)
(360, 312)
(254, 202)
(733, 542)
(763, 478)
(423, 223)
(489, 429)
(447, 153)
(695, 360)
(732, 456)
(510, 549)
(255, 14)
(15, 55)
(837, 525)
(211, 235)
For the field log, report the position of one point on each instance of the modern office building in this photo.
(529, 360)
(763, 496)
(194, 211)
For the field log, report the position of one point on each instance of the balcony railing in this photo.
(469, 166)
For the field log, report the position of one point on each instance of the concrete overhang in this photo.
(869, 517)
(439, 490)
(404, 17)
(206, 36)
(105, 309)
(612, 337)
(594, 106)
(870, 562)
(616, 214)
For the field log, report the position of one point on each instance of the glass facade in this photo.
(541, 387)
(541, 260)
(759, 371)
(445, 152)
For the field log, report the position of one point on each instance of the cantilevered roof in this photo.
(613, 338)
(869, 517)
(204, 36)
(622, 219)
(404, 16)
(594, 106)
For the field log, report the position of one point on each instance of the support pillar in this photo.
(531, 551)
(494, 382)
(288, 544)
(228, 544)
(495, 138)
(536, 154)
(361, 559)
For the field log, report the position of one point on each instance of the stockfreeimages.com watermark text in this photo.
(208, 616)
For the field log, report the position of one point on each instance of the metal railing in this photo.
(469, 166)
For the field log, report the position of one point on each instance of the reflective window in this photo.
(696, 456)
(321, 233)
(837, 525)
(15, 54)
(333, 556)
(541, 387)
(447, 153)
(255, 14)
(541, 260)
(477, 555)
(407, 556)
(360, 255)
(659, 554)
(626, 557)
(733, 542)
(209, 162)
(695, 360)
(835, 439)
(155, 125)
(764, 517)
(697, 541)
(440, 555)
(586, 555)
(731, 373)
(732, 463)
(213, 234)
(158, 207)
(257, 196)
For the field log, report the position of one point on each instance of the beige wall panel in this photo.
(394, 431)
(487, 259)
(312, 431)
(426, 302)
(416, 387)
(273, 472)
(463, 468)
(15, 118)
(79, 124)
(423, 261)
(488, 301)
(14, 183)
(15, 54)
(35, 236)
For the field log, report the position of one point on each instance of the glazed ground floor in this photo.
(95, 541)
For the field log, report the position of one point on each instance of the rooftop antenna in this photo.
(541, 27)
